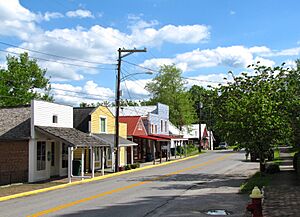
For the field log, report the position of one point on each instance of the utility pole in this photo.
(118, 95)
(200, 105)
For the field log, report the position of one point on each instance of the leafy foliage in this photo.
(22, 81)
(168, 88)
(257, 111)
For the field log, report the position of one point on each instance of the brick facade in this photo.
(13, 162)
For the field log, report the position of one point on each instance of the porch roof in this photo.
(71, 136)
(110, 139)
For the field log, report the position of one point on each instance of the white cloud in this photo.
(290, 64)
(99, 44)
(136, 88)
(209, 80)
(259, 50)
(16, 20)
(232, 12)
(144, 34)
(264, 62)
(60, 72)
(52, 15)
(286, 52)
(80, 13)
(73, 95)
(233, 56)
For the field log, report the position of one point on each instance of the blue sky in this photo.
(205, 39)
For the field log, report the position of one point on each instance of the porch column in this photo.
(102, 161)
(112, 159)
(160, 152)
(153, 145)
(82, 162)
(93, 162)
(175, 145)
(180, 144)
(70, 150)
(131, 154)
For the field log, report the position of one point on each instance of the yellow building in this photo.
(100, 122)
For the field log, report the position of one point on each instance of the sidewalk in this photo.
(282, 196)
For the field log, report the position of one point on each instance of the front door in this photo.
(54, 159)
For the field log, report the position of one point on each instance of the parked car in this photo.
(223, 145)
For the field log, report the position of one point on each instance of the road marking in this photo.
(42, 190)
(64, 206)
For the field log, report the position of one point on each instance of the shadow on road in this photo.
(159, 206)
(199, 193)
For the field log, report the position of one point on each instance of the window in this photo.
(166, 126)
(52, 153)
(64, 155)
(54, 119)
(161, 126)
(139, 127)
(102, 125)
(41, 156)
(155, 128)
(152, 128)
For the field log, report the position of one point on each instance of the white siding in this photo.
(43, 113)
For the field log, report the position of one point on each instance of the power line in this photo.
(54, 55)
(134, 64)
(57, 61)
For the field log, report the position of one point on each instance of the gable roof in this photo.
(81, 118)
(15, 123)
(132, 125)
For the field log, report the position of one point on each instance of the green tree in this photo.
(253, 110)
(206, 97)
(22, 81)
(168, 88)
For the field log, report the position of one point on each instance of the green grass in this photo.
(258, 180)
(277, 159)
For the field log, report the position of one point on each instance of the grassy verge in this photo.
(257, 179)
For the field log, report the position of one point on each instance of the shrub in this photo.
(128, 167)
(272, 168)
(134, 166)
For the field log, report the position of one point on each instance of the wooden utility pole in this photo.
(118, 95)
(200, 105)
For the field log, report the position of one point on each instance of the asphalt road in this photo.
(187, 188)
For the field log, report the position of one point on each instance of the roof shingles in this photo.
(15, 123)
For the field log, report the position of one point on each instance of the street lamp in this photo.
(138, 73)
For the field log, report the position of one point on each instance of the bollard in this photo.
(256, 206)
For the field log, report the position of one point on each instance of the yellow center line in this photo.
(64, 206)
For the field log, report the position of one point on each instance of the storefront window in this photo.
(41, 155)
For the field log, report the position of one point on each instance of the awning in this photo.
(151, 138)
(110, 139)
(167, 137)
(71, 136)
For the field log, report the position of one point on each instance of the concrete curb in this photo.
(28, 193)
